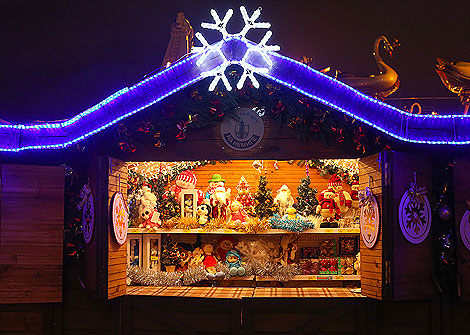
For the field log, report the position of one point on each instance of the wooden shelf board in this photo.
(315, 277)
(232, 231)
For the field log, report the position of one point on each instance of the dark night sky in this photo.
(60, 57)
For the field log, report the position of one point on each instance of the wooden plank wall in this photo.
(117, 182)
(462, 194)
(412, 264)
(32, 224)
(96, 252)
(371, 259)
(289, 174)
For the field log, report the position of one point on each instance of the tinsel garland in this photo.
(295, 226)
(148, 277)
(282, 273)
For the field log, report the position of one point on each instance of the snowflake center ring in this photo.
(255, 58)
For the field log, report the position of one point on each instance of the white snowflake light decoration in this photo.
(261, 49)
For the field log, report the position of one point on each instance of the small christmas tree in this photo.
(170, 253)
(264, 202)
(244, 196)
(306, 200)
(167, 206)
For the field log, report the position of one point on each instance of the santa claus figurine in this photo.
(215, 182)
(186, 180)
(342, 198)
(283, 199)
(220, 201)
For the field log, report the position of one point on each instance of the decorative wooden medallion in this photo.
(243, 130)
(370, 221)
(88, 217)
(414, 216)
(120, 218)
(465, 229)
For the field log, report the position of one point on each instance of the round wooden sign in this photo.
(465, 229)
(120, 218)
(370, 222)
(243, 130)
(414, 216)
(88, 217)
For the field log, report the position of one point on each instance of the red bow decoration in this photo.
(127, 147)
(182, 126)
(216, 108)
(145, 127)
(358, 135)
(277, 109)
(339, 133)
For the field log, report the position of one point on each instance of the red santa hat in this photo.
(334, 181)
(187, 176)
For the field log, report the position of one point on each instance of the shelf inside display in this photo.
(233, 231)
(314, 277)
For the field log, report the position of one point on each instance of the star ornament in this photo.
(260, 49)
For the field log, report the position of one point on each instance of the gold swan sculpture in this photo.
(456, 77)
(379, 85)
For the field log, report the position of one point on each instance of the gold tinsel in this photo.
(215, 223)
(169, 224)
(187, 222)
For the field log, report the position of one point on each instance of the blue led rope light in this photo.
(404, 126)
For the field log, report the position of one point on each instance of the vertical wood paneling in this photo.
(411, 264)
(31, 225)
(289, 174)
(462, 194)
(117, 182)
(371, 259)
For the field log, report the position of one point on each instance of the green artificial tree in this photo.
(264, 201)
(170, 253)
(167, 205)
(306, 200)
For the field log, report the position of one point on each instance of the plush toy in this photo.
(215, 182)
(220, 201)
(203, 212)
(185, 259)
(147, 212)
(186, 180)
(237, 213)
(287, 249)
(225, 244)
(342, 198)
(197, 257)
(328, 209)
(283, 199)
(210, 262)
(234, 263)
(291, 214)
(357, 263)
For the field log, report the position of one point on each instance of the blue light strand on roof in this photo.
(399, 124)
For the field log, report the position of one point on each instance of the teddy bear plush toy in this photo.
(328, 209)
(147, 212)
(234, 263)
